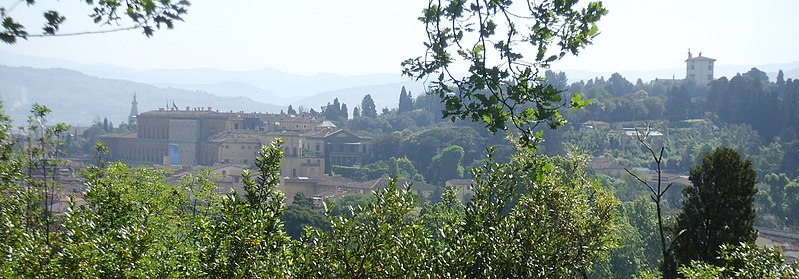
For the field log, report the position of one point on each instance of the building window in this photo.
(317, 147)
(294, 152)
(709, 77)
(692, 66)
(245, 161)
(710, 67)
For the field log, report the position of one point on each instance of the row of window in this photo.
(709, 66)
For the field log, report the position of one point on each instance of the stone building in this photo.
(202, 136)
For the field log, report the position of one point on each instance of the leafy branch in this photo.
(502, 89)
(147, 15)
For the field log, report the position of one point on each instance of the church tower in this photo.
(699, 69)
(134, 111)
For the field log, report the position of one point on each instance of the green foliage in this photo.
(368, 108)
(744, 261)
(405, 101)
(29, 190)
(718, 209)
(503, 88)
(446, 165)
(246, 238)
(127, 228)
(380, 240)
(535, 217)
(146, 15)
(301, 214)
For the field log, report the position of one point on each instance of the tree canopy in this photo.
(718, 209)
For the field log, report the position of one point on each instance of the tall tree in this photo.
(291, 111)
(718, 209)
(344, 113)
(618, 85)
(356, 112)
(368, 108)
(405, 101)
(780, 80)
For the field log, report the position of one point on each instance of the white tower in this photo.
(699, 69)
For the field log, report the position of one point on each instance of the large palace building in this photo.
(202, 136)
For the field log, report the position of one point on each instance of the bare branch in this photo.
(86, 32)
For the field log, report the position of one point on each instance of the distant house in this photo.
(595, 125)
(463, 188)
(606, 166)
(330, 187)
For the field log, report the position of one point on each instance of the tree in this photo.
(780, 80)
(503, 87)
(618, 85)
(678, 105)
(246, 238)
(301, 214)
(291, 111)
(356, 112)
(744, 261)
(718, 209)
(368, 108)
(344, 112)
(446, 165)
(405, 101)
(533, 217)
(146, 15)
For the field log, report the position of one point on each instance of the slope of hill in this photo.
(79, 99)
(231, 89)
(289, 86)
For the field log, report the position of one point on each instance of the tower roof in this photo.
(700, 58)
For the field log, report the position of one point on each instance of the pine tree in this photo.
(356, 112)
(405, 101)
(291, 110)
(344, 112)
(368, 107)
(718, 209)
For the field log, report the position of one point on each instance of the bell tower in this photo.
(134, 111)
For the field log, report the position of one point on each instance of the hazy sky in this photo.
(368, 36)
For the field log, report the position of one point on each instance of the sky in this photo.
(354, 37)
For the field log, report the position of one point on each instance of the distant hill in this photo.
(232, 89)
(78, 99)
(288, 86)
